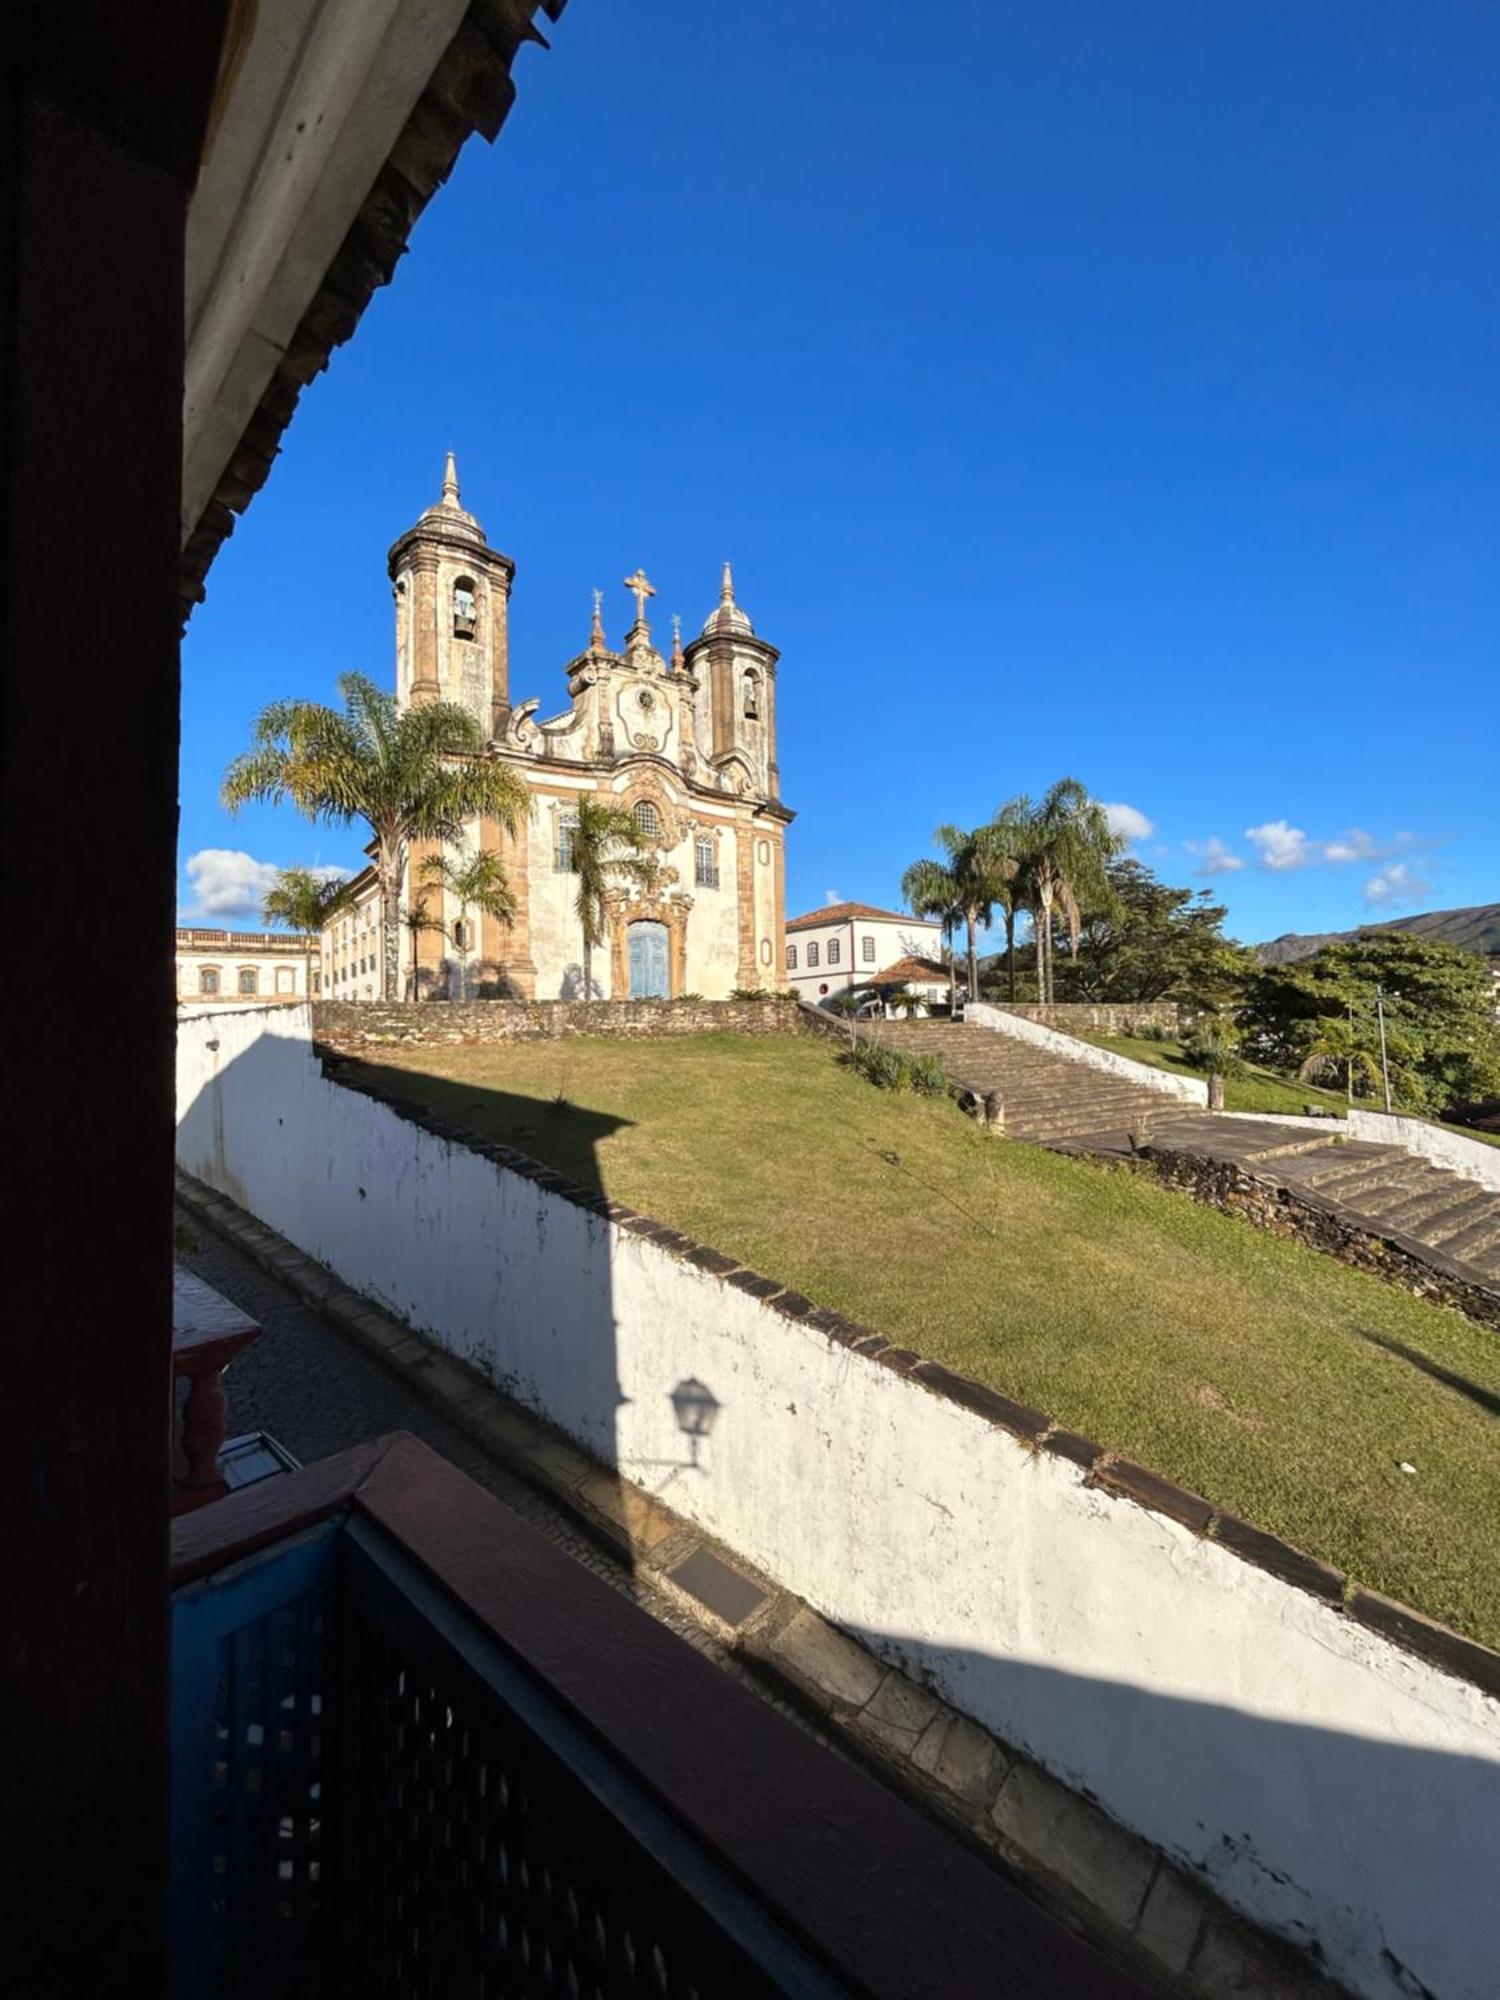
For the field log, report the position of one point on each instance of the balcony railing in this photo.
(419, 1751)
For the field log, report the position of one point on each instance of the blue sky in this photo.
(1077, 386)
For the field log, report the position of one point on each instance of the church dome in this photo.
(727, 618)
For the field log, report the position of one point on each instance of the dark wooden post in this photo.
(102, 114)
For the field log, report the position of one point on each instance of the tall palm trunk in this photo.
(952, 967)
(1010, 950)
(388, 869)
(588, 966)
(971, 956)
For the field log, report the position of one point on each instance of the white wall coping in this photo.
(1186, 1089)
(1438, 1143)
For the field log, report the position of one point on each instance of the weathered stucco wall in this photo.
(1444, 1147)
(1007, 1021)
(1331, 1764)
(342, 1026)
(1074, 1016)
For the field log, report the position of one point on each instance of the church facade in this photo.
(686, 744)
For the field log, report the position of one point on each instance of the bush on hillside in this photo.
(1213, 1044)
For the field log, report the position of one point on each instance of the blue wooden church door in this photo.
(648, 961)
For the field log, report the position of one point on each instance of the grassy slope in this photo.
(1260, 1089)
(1223, 1357)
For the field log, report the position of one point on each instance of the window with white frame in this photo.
(705, 863)
(812, 955)
(791, 958)
(208, 979)
(286, 979)
(249, 979)
(648, 820)
(562, 854)
(867, 950)
(833, 951)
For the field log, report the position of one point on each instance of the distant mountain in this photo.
(1476, 929)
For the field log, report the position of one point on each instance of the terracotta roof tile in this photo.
(911, 971)
(843, 913)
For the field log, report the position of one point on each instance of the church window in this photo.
(867, 950)
(463, 608)
(249, 979)
(705, 863)
(562, 858)
(208, 979)
(752, 698)
(812, 955)
(648, 820)
(286, 979)
(833, 951)
(791, 958)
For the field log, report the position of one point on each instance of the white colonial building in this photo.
(225, 968)
(686, 744)
(846, 945)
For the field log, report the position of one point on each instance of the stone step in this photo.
(1475, 1241)
(1361, 1177)
(1404, 1214)
(1467, 1209)
(1351, 1157)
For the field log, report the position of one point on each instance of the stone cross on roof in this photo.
(642, 590)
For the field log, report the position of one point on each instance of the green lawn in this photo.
(1247, 1367)
(1259, 1089)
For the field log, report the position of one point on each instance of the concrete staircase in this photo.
(1073, 1108)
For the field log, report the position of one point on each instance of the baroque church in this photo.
(686, 744)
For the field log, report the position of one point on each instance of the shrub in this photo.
(927, 1075)
(886, 1068)
(1153, 1031)
(1213, 1044)
(751, 993)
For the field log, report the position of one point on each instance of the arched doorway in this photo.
(648, 961)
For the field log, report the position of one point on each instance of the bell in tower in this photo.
(452, 593)
(737, 671)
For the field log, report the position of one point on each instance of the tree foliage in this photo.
(1441, 1038)
(409, 773)
(1147, 941)
(606, 845)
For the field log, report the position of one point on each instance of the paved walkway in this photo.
(317, 1393)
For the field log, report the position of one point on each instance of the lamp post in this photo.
(1385, 1068)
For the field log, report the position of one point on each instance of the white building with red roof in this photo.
(846, 945)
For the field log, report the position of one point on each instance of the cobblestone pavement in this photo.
(317, 1393)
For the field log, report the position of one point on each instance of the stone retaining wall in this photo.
(1080, 1017)
(352, 1026)
(1300, 1213)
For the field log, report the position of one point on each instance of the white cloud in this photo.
(1129, 822)
(1279, 845)
(1356, 845)
(1213, 857)
(832, 896)
(227, 882)
(1394, 887)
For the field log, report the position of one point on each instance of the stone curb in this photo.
(1465, 1658)
(1067, 1851)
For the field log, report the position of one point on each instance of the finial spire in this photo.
(450, 482)
(596, 630)
(726, 588)
(641, 589)
(676, 642)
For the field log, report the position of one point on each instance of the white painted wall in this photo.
(1323, 1780)
(1439, 1143)
(893, 938)
(1190, 1089)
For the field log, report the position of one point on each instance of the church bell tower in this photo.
(452, 593)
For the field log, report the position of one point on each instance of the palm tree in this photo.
(409, 773)
(931, 890)
(1008, 838)
(477, 882)
(605, 842)
(304, 901)
(979, 870)
(415, 918)
(1068, 841)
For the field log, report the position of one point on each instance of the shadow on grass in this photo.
(559, 1133)
(1486, 1399)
